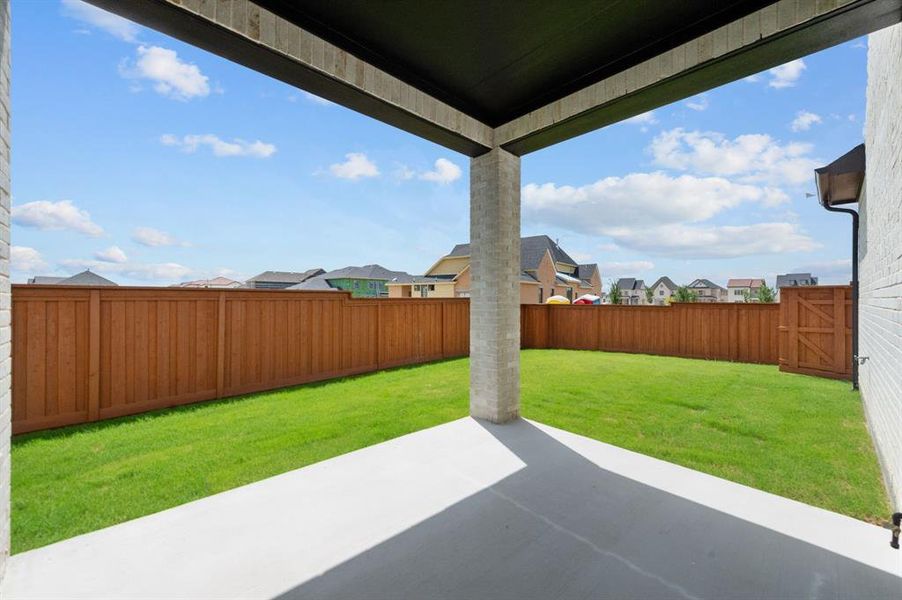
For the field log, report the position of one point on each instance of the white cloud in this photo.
(786, 75)
(113, 24)
(113, 254)
(151, 272)
(317, 100)
(644, 120)
(219, 147)
(55, 216)
(804, 120)
(148, 236)
(356, 166)
(698, 103)
(171, 76)
(752, 157)
(23, 258)
(715, 241)
(403, 172)
(639, 199)
(626, 268)
(444, 172)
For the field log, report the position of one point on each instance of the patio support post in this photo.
(495, 286)
(5, 297)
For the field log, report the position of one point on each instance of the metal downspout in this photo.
(854, 214)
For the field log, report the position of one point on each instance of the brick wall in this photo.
(880, 250)
(5, 298)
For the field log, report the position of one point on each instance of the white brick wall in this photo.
(880, 256)
(5, 299)
(495, 286)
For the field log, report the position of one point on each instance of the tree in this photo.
(684, 294)
(746, 296)
(614, 293)
(766, 294)
(649, 296)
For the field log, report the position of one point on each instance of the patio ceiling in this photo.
(520, 75)
(496, 61)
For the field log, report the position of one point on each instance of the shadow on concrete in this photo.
(564, 528)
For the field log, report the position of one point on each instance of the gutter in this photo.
(841, 182)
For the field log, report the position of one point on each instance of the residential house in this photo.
(547, 270)
(740, 289)
(279, 280)
(708, 291)
(632, 291)
(368, 281)
(662, 290)
(84, 278)
(794, 280)
(215, 282)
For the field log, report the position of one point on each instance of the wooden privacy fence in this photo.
(736, 332)
(85, 354)
(816, 331)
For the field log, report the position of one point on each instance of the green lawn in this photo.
(792, 435)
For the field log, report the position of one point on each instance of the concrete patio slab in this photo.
(474, 510)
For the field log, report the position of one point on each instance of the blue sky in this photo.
(151, 161)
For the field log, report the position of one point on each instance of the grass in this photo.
(792, 435)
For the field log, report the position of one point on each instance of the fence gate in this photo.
(816, 331)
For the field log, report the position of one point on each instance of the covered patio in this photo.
(491, 505)
(473, 509)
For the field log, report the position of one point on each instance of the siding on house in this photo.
(880, 256)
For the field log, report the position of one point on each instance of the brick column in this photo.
(495, 286)
(5, 299)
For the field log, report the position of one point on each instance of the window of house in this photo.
(356, 285)
(660, 292)
(541, 295)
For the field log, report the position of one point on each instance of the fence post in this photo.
(94, 356)
(220, 346)
(378, 336)
(792, 315)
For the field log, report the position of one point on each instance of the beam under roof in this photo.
(766, 38)
(520, 74)
(249, 35)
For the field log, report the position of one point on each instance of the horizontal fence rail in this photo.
(86, 354)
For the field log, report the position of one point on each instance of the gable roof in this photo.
(630, 283)
(753, 283)
(287, 276)
(368, 272)
(585, 272)
(86, 278)
(532, 249)
(705, 283)
(214, 282)
(375, 272)
(667, 281)
(793, 279)
(45, 280)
